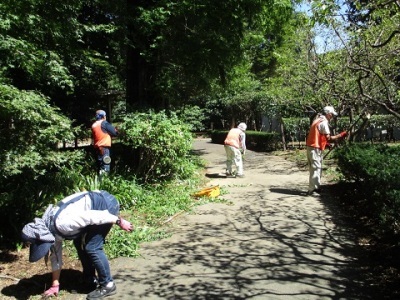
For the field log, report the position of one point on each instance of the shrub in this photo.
(162, 143)
(193, 116)
(30, 131)
(33, 169)
(376, 171)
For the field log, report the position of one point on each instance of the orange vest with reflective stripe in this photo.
(315, 138)
(101, 138)
(232, 138)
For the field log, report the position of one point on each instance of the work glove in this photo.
(53, 291)
(124, 224)
(329, 146)
(343, 134)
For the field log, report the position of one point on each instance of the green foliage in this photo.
(296, 129)
(33, 43)
(126, 190)
(119, 243)
(376, 171)
(148, 207)
(34, 170)
(68, 52)
(164, 144)
(191, 52)
(193, 116)
(362, 70)
(384, 121)
(293, 84)
(262, 141)
(164, 201)
(255, 140)
(33, 193)
(245, 100)
(31, 131)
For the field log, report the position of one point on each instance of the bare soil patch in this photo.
(20, 279)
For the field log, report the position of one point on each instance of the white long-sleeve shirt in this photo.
(323, 126)
(72, 219)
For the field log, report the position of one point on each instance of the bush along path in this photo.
(267, 241)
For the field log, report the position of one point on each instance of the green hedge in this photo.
(255, 140)
(375, 171)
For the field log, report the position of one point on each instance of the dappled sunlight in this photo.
(271, 242)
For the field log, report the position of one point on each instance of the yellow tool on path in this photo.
(210, 192)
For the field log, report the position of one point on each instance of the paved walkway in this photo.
(270, 241)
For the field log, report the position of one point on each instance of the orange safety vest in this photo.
(101, 138)
(232, 138)
(315, 138)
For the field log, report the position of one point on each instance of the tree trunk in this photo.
(135, 96)
(140, 75)
(282, 133)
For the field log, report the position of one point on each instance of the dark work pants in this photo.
(91, 243)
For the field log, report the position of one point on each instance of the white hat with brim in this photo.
(330, 110)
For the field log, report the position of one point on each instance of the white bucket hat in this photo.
(242, 126)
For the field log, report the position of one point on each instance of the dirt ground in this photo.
(268, 241)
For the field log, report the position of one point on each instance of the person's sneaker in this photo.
(230, 174)
(314, 193)
(240, 175)
(101, 292)
(90, 283)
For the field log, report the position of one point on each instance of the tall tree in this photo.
(371, 45)
(67, 51)
(177, 48)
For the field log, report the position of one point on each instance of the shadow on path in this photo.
(270, 242)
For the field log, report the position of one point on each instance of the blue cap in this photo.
(100, 114)
(40, 237)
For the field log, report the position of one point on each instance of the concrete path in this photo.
(270, 241)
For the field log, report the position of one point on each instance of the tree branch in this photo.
(387, 40)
